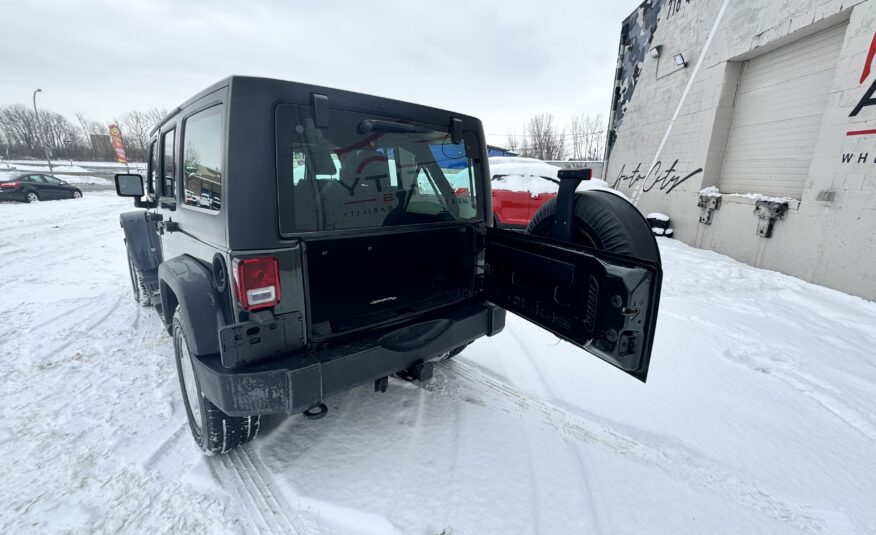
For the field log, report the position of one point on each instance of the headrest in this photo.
(368, 166)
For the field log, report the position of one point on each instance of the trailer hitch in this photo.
(564, 220)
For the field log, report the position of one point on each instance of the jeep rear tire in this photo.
(213, 430)
(603, 220)
(141, 294)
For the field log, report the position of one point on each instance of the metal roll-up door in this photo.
(779, 103)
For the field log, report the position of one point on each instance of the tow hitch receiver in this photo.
(422, 371)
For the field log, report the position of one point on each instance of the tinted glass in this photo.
(202, 159)
(38, 179)
(168, 165)
(366, 171)
(52, 180)
(153, 167)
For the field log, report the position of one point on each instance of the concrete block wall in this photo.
(827, 242)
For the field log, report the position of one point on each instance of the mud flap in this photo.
(602, 302)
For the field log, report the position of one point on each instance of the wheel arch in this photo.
(188, 283)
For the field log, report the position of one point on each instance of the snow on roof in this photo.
(516, 173)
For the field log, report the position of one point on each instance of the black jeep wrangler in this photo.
(298, 241)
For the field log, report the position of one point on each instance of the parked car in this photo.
(341, 252)
(521, 186)
(31, 187)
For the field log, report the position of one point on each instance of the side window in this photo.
(38, 179)
(153, 166)
(168, 167)
(52, 180)
(202, 159)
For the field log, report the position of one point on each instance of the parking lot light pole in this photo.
(39, 131)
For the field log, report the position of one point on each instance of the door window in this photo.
(202, 157)
(168, 167)
(52, 180)
(38, 179)
(153, 167)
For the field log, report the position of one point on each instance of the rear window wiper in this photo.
(390, 127)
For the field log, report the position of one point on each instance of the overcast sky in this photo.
(500, 61)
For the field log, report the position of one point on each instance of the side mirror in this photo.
(129, 185)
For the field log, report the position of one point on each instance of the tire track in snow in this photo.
(676, 460)
(258, 484)
(262, 510)
(262, 480)
(546, 390)
(775, 363)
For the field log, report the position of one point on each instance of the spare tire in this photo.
(603, 221)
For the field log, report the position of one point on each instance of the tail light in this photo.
(8, 184)
(257, 282)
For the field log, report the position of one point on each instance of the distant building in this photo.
(493, 150)
(752, 124)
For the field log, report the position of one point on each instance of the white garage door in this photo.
(781, 98)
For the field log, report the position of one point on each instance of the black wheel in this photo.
(31, 196)
(213, 430)
(141, 293)
(603, 221)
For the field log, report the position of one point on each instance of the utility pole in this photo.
(40, 131)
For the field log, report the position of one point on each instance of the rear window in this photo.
(367, 171)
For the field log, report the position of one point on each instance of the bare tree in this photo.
(587, 137)
(513, 143)
(135, 126)
(20, 128)
(154, 116)
(543, 140)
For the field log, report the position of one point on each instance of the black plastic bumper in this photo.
(299, 381)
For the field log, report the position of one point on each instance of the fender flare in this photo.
(188, 283)
(141, 240)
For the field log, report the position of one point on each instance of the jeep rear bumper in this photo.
(299, 381)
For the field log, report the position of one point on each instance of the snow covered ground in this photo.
(759, 415)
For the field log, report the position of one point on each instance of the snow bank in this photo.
(658, 216)
(83, 179)
(712, 191)
(45, 168)
(76, 163)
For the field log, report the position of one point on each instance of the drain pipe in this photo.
(638, 191)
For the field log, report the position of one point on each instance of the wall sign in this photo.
(664, 181)
(868, 99)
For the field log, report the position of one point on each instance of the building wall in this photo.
(830, 242)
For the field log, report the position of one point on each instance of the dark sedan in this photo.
(37, 187)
